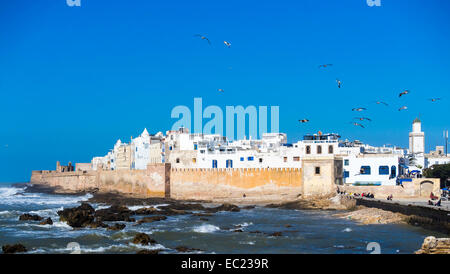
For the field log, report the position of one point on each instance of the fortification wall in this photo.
(417, 188)
(255, 183)
(139, 183)
(428, 216)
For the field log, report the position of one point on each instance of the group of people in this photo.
(390, 197)
(368, 195)
(433, 198)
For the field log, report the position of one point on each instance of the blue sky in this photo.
(75, 79)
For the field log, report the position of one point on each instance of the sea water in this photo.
(302, 231)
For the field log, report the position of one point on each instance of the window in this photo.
(214, 163)
(346, 162)
(178, 160)
(365, 170)
(285, 159)
(330, 149)
(242, 159)
(195, 146)
(317, 170)
(346, 174)
(393, 172)
(319, 149)
(229, 163)
(194, 160)
(383, 170)
(170, 148)
(308, 149)
(136, 149)
(260, 160)
(296, 159)
(250, 158)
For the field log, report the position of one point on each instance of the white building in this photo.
(371, 169)
(417, 138)
(140, 148)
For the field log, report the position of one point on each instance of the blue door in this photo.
(214, 163)
(229, 163)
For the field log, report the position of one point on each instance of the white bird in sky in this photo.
(228, 44)
(358, 125)
(303, 121)
(403, 93)
(221, 90)
(363, 118)
(325, 65)
(339, 83)
(435, 99)
(203, 38)
(359, 109)
(381, 102)
(403, 108)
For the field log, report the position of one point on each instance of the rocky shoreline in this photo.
(368, 216)
(117, 214)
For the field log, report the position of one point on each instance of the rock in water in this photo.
(115, 213)
(186, 249)
(47, 221)
(29, 217)
(143, 239)
(276, 234)
(79, 216)
(145, 211)
(151, 219)
(10, 249)
(117, 227)
(225, 207)
(151, 252)
(433, 245)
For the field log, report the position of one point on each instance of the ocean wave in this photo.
(205, 228)
(8, 196)
(10, 191)
(247, 243)
(100, 249)
(245, 224)
(347, 230)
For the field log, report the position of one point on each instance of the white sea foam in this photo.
(8, 196)
(157, 206)
(136, 207)
(10, 191)
(245, 224)
(247, 243)
(206, 228)
(347, 230)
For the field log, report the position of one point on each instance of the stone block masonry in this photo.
(161, 180)
(254, 183)
(151, 182)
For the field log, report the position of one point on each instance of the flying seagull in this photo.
(358, 125)
(381, 102)
(363, 118)
(325, 65)
(403, 93)
(359, 109)
(434, 99)
(228, 44)
(203, 38)
(403, 108)
(339, 83)
(221, 90)
(303, 121)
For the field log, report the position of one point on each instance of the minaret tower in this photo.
(417, 138)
